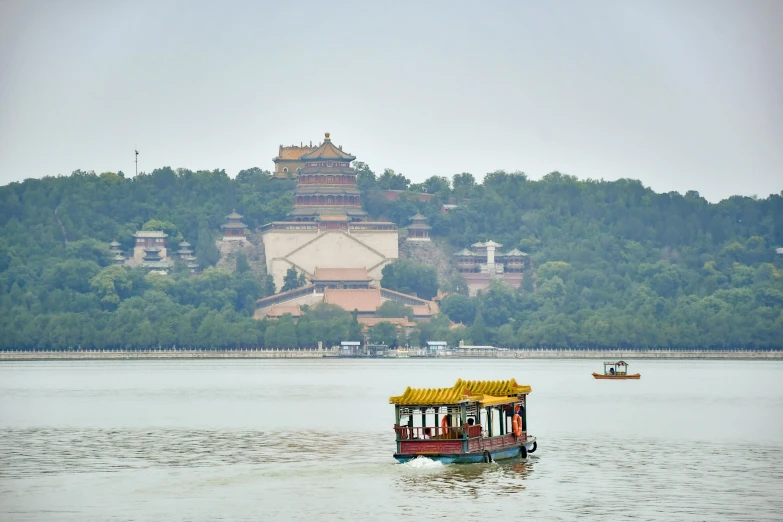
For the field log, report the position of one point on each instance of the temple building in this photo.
(184, 250)
(349, 288)
(148, 238)
(288, 161)
(419, 230)
(340, 278)
(327, 226)
(154, 261)
(482, 264)
(185, 254)
(233, 228)
(326, 187)
(116, 253)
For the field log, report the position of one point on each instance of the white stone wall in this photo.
(309, 299)
(339, 249)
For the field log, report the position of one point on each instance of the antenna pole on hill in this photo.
(137, 162)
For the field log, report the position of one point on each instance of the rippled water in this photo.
(295, 440)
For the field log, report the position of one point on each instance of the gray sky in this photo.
(680, 94)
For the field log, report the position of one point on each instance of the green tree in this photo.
(242, 263)
(437, 185)
(207, 253)
(166, 226)
(286, 332)
(478, 331)
(110, 284)
(394, 309)
(383, 333)
(390, 180)
(459, 308)
(292, 280)
(267, 286)
(409, 276)
(354, 328)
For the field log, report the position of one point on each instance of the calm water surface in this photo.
(312, 440)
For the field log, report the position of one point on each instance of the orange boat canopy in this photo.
(488, 393)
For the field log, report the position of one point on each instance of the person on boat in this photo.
(465, 428)
(611, 371)
(426, 435)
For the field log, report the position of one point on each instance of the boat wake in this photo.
(423, 463)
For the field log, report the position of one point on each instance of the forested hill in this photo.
(616, 263)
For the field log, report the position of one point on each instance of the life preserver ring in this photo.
(516, 425)
(444, 425)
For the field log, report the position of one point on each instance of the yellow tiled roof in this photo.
(327, 151)
(293, 152)
(497, 388)
(362, 299)
(279, 310)
(462, 391)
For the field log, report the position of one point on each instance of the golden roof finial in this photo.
(326, 137)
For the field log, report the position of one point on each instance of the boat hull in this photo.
(477, 457)
(601, 376)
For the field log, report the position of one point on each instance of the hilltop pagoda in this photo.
(117, 257)
(419, 230)
(185, 254)
(153, 260)
(234, 229)
(192, 264)
(327, 226)
(326, 187)
(184, 250)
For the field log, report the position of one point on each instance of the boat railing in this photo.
(437, 433)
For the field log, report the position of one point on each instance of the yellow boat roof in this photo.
(487, 393)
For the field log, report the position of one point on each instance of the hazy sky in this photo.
(680, 94)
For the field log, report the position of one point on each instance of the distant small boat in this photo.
(616, 370)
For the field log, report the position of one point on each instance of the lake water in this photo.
(312, 440)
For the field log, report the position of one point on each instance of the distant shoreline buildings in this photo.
(482, 264)
(330, 240)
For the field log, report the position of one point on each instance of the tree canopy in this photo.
(615, 263)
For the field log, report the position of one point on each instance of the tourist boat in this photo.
(473, 421)
(616, 370)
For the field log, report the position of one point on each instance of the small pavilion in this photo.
(234, 229)
(154, 261)
(117, 257)
(419, 230)
(185, 250)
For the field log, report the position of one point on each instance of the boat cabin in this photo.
(473, 421)
(616, 368)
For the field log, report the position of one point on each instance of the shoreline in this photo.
(335, 354)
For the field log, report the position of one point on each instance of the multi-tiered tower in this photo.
(326, 187)
(116, 253)
(327, 227)
(233, 228)
(419, 230)
(185, 254)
